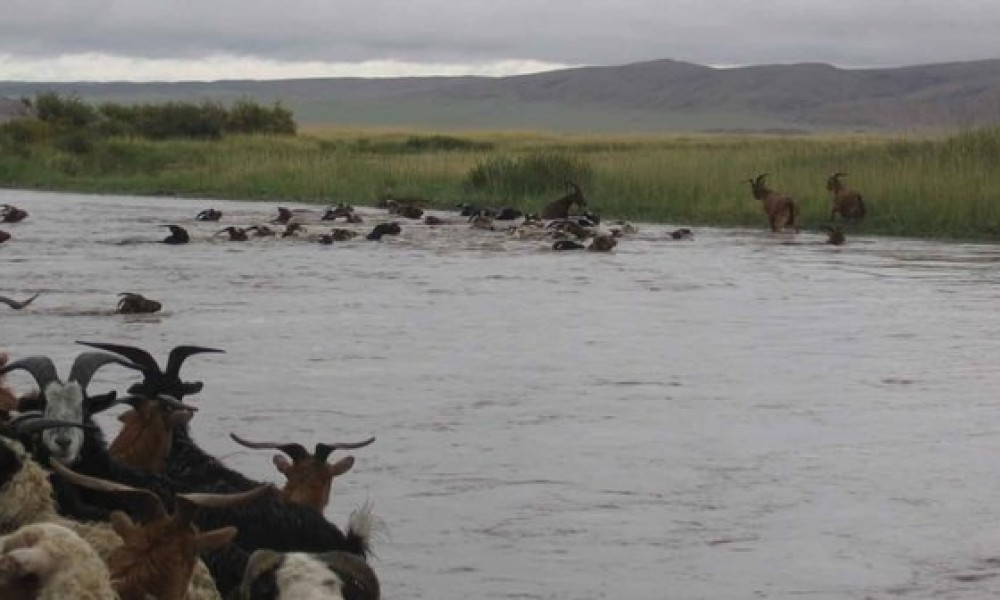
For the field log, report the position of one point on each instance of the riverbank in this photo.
(919, 187)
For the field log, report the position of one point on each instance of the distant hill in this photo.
(663, 95)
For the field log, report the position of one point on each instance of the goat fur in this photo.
(846, 202)
(27, 499)
(63, 564)
(781, 209)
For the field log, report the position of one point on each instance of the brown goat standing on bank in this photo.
(846, 201)
(781, 209)
(559, 209)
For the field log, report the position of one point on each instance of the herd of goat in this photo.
(151, 514)
(554, 222)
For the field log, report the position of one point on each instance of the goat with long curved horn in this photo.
(310, 477)
(156, 381)
(146, 436)
(65, 401)
(158, 554)
(781, 209)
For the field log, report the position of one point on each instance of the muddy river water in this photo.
(745, 415)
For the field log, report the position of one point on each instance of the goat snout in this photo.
(63, 442)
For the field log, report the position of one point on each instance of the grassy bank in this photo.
(948, 187)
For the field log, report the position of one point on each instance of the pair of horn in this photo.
(298, 451)
(155, 380)
(86, 364)
(187, 504)
(25, 424)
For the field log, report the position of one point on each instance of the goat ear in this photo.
(342, 466)
(215, 538)
(281, 463)
(125, 528)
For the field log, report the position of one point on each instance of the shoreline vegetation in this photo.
(944, 187)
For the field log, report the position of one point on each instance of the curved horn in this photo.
(760, 178)
(137, 355)
(87, 363)
(179, 354)
(188, 504)
(28, 423)
(294, 451)
(18, 305)
(324, 450)
(168, 401)
(151, 500)
(41, 368)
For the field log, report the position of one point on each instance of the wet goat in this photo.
(559, 209)
(781, 209)
(178, 235)
(12, 214)
(132, 303)
(209, 214)
(847, 202)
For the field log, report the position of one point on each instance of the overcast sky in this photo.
(225, 39)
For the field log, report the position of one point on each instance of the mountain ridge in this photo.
(656, 95)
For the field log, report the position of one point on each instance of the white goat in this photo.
(64, 401)
(46, 561)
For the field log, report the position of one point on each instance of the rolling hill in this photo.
(655, 96)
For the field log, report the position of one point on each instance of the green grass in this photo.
(942, 187)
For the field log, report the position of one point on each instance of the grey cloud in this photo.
(848, 32)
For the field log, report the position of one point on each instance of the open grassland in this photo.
(946, 187)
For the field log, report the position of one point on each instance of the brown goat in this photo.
(407, 211)
(157, 557)
(781, 209)
(847, 202)
(310, 477)
(144, 441)
(602, 243)
(559, 209)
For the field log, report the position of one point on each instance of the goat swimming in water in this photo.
(178, 235)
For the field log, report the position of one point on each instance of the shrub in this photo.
(25, 131)
(516, 177)
(430, 143)
(68, 111)
(246, 116)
